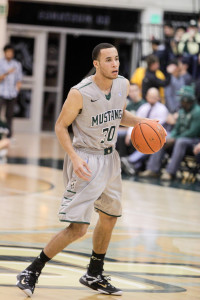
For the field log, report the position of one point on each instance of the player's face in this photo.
(108, 63)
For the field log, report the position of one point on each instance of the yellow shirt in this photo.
(138, 76)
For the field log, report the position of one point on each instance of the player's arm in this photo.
(69, 112)
(129, 120)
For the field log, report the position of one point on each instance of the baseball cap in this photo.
(187, 93)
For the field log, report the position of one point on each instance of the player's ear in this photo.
(95, 63)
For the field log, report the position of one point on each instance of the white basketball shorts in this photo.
(102, 192)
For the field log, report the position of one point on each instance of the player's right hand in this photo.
(81, 169)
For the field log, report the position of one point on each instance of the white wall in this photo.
(3, 21)
(169, 5)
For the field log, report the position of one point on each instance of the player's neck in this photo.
(103, 83)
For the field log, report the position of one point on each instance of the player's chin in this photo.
(114, 74)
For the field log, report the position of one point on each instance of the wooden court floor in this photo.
(155, 248)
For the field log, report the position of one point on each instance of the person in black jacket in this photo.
(150, 80)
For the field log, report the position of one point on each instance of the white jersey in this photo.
(97, 124)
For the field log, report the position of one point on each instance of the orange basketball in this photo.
(148, 136)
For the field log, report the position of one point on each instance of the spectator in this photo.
(159, 50)
(134, 99)
(186, 132)
(134, 102)
(139, 75)
(10, 83)
(176, 40)
(169, 32)
(153, 109)
(183, 66)
(4, 141)
(150, 79)
(196, 152)
(197, 90)
(189, 47)
(172, 99)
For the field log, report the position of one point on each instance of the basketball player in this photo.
(95, 107)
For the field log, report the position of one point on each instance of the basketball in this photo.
(148, 136)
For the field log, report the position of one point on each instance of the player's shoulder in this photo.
(83, 83)
(122, 80)
(120, 77)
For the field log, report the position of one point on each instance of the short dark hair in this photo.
(98, 48)
(155, 42)
(173, 61)
(151, 59)
(169, 24)
(8, 47)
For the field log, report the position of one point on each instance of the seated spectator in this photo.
(176, 40)
(183, 66)
(153, 109)
(197, 90)
(172, 99)
(134, 102)
(139, 75)
(158, 50)
(196, 152)
(150, 79)
(134, 99)
(185, 132)
(4, 141)
(168, 31)
(189, 47)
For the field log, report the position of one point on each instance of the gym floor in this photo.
(154, 252)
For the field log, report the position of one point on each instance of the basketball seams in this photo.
(155, 132)
(144, 136)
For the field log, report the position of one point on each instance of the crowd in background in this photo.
(167, 89)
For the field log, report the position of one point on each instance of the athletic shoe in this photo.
(100, 283)
(26, 281)
(167, 176)
(149, 173)
(127, 168)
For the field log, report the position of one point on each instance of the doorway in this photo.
(30, 51)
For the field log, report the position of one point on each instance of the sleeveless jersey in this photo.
(97, 124)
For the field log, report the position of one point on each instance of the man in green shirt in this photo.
(134, 101)
(185, 133)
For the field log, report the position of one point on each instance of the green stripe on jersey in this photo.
(84, 85)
